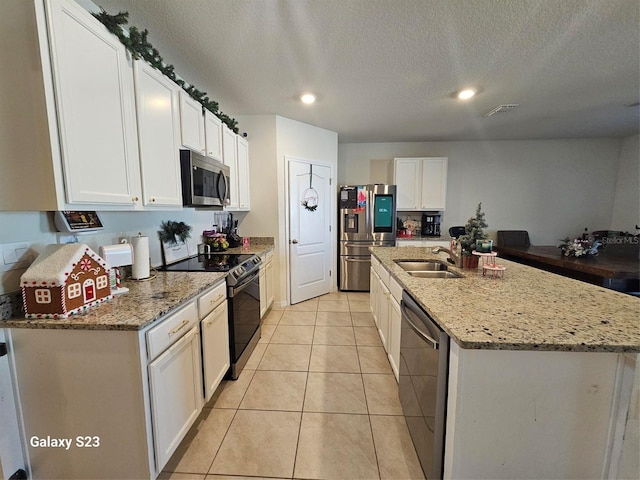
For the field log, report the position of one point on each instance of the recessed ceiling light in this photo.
(467, 93)
(307, 98)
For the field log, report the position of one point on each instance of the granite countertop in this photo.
(146, 301)
(528, 309)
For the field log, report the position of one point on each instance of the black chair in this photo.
(513, 238)
(456, 232)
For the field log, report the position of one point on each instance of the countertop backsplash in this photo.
(11, 305)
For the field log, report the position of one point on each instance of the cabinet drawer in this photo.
(382, 273)
(396, 290)
(210, 300)
(171, 329)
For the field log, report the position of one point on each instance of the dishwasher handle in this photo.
(406, 316)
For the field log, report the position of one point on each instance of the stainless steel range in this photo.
(243, 292)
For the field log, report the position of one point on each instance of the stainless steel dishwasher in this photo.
(424, 371)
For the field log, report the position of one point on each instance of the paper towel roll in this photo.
(140, 267)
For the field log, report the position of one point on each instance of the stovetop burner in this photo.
(209, 262)
(240, 266)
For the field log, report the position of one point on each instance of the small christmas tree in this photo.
(473, 231)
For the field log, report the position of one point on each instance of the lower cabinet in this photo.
(395, 317)
(133, 393)
(385, 296)
(215, 348)
(383, 314)
(175, 383)
(374, 286)
(266, 283)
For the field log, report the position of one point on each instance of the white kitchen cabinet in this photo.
(175, 382)
(157, 106)
(214, 331)
(421, 182)
(242, 150)
(213, 135)
(383, 314)
(395, 318)
(215, 348)
(384, 297)
(191, 123)
(374, 291)
(230, 157)
(93, 81)
(266, 282)
(137, 391)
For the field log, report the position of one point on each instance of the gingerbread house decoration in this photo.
(64, 280)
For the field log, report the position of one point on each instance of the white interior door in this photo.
(310, 237)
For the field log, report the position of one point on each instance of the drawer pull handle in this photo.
(179, 327)
(219, 297)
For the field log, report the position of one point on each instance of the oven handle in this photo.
(245, 283)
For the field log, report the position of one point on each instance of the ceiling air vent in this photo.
(506, 107)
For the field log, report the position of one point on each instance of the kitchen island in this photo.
(541, 369)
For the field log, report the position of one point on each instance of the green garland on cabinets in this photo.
(136, 42)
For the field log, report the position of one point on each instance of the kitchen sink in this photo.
(434, 274)
(421, 265)
(427, 268)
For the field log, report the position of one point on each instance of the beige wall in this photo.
(626, 205)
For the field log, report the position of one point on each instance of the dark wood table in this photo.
(609, 270)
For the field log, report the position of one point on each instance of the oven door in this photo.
(244, 322)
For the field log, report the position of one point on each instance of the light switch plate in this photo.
(16, 256)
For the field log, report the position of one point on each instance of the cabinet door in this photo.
(191, 123)
(263, 291)
(269, 282)
(157, 105)
(230, 156)
(215, 348)
(96, 108)
(434, 183)
(383, 314)
(243, 173)
(394, 336)
(374, 292)
(175, 383)
(407, 176)
(213, 135)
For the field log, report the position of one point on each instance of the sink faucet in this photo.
(454, 258)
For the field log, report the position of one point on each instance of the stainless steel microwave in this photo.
(205, 181)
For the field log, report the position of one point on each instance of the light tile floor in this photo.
(317, 400)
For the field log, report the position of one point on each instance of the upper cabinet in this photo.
(191, 123)
(422, 183)
(93, 81)
(230, 156)
(157, 106)
(213, 135)
(235, 151)
(242, 150)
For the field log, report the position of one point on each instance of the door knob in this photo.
(294, 241)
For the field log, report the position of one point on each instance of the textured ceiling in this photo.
(386, 70)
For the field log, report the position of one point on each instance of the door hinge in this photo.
(329, 272)
(330, 180)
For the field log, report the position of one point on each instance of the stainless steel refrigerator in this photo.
(367, 218)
